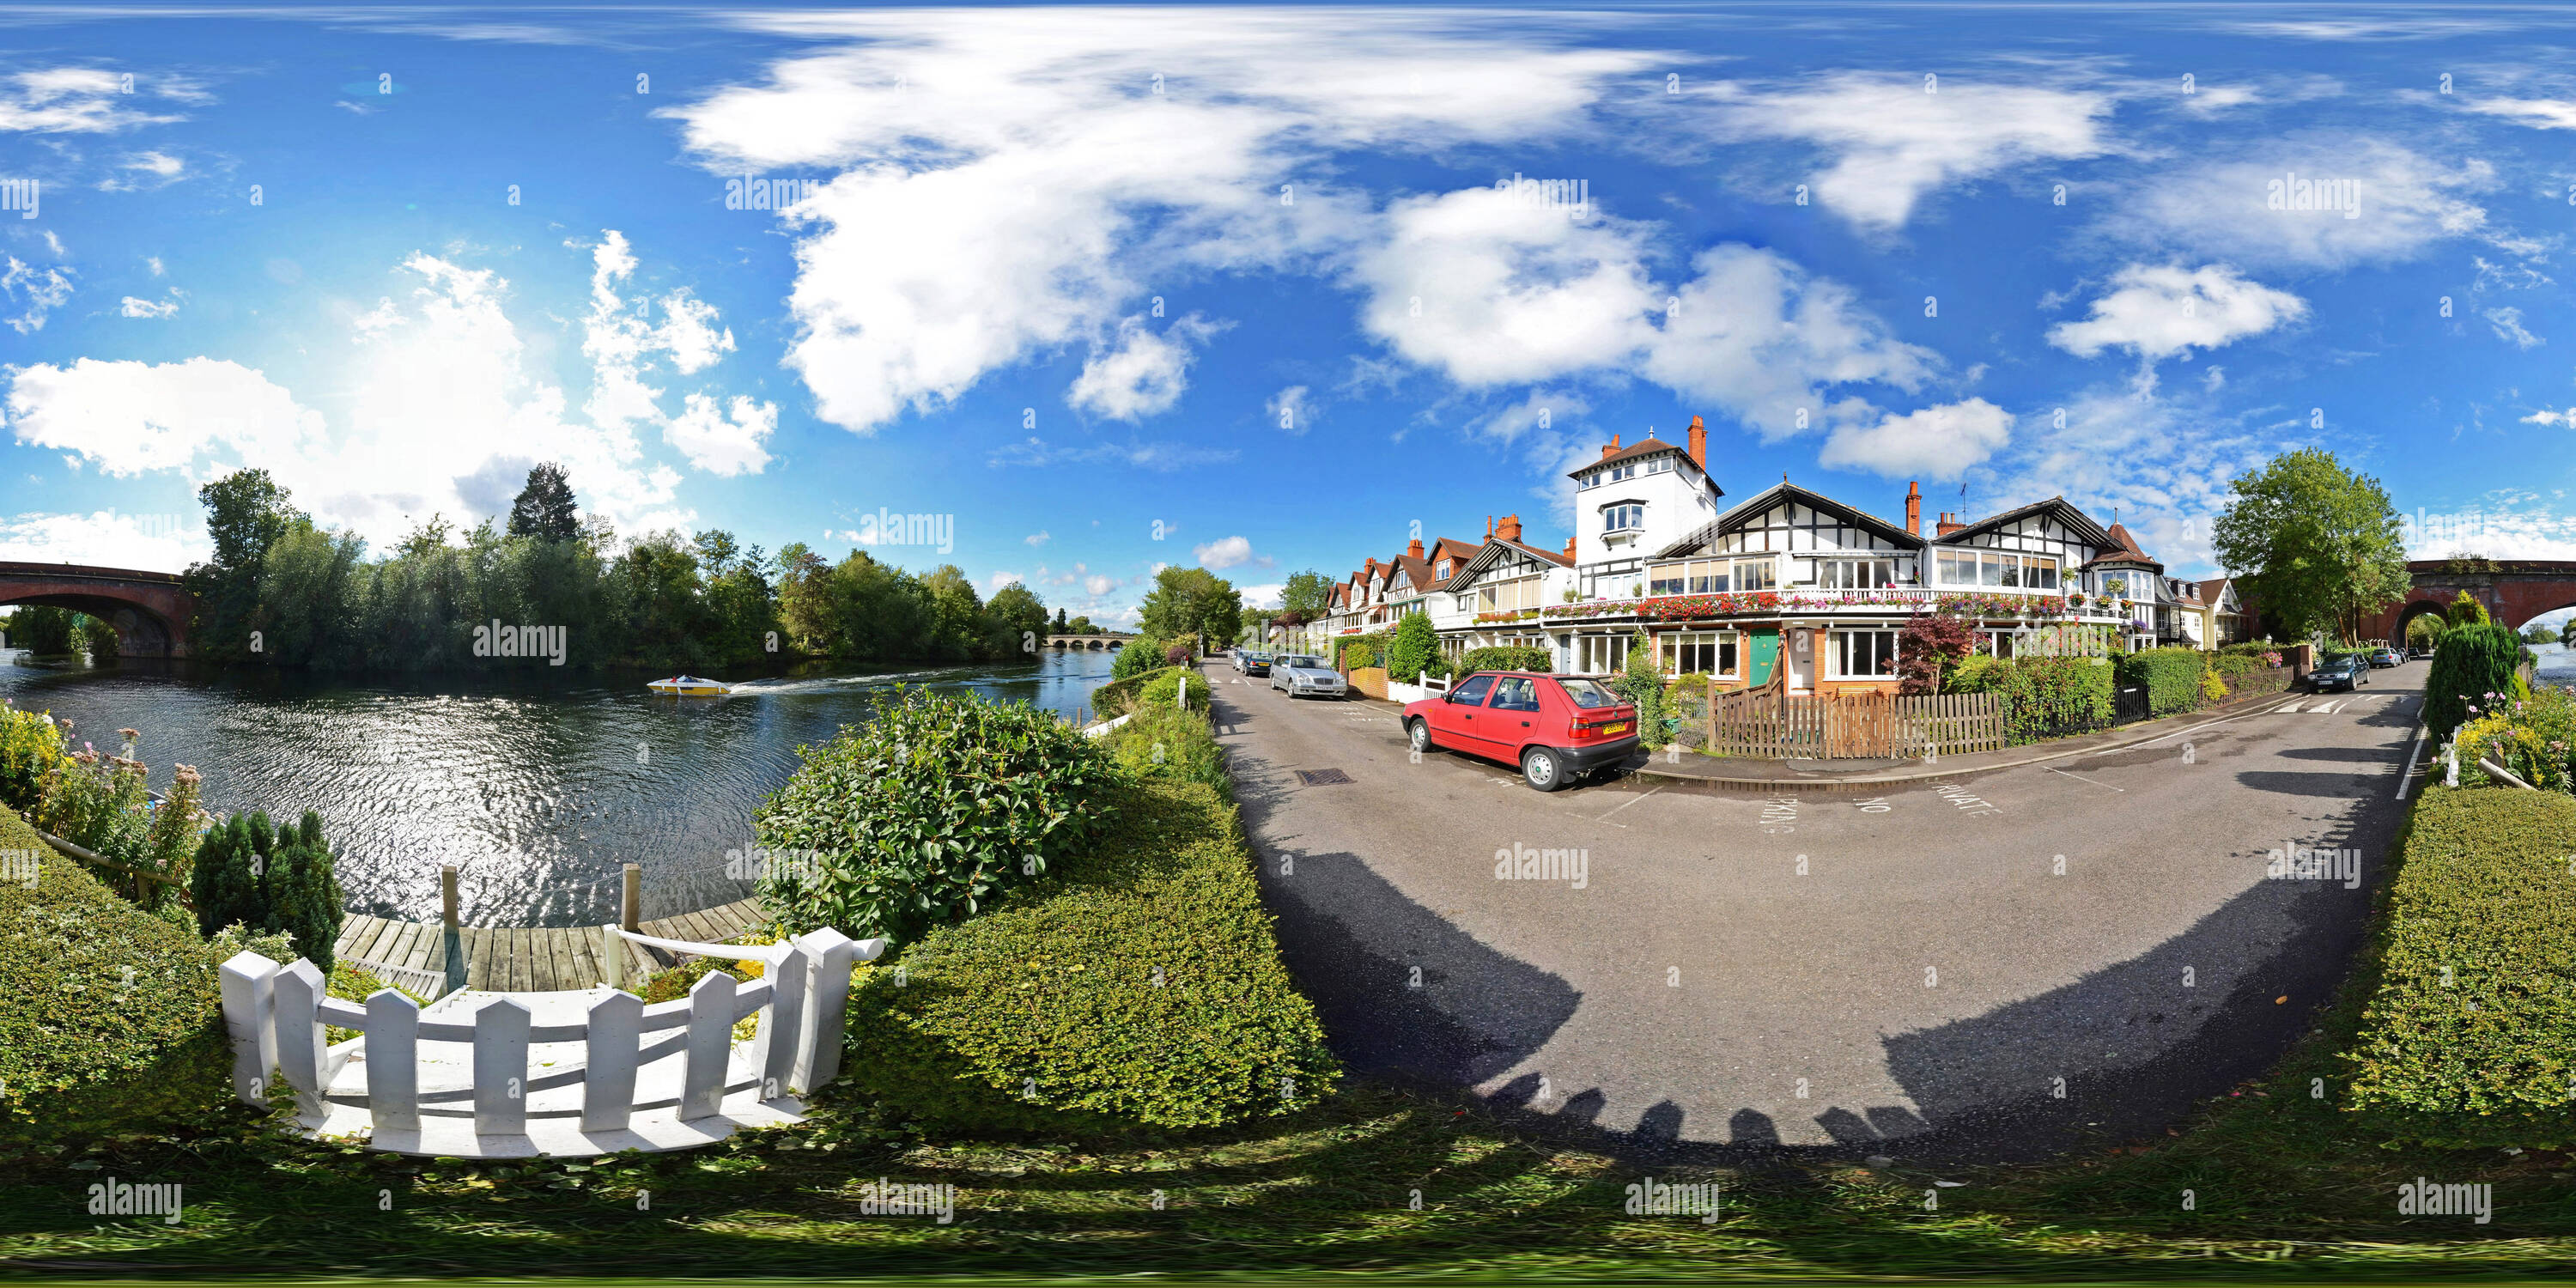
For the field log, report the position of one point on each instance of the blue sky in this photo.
(1061, 272)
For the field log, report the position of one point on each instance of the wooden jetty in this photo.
(519, 959)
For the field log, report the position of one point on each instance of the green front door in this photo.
(1766, 655)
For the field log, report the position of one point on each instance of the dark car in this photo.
(1556, 728)
(2339, 674)
(1252, 663)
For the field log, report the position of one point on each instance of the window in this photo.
(1623, 518)
(1660, 465)
(1994, 568)
(1472, 693)
(1447, 567)
(1515, 693)
(1711, 577)
(1618, 472)
(1502, 595)
(1855, 574)
(1864, 655)
(1703, 653)
(1462, 603)
(1588, 695)
(1600, 654)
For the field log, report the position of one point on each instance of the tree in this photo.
(246, 513)
(1306, 595)
(545, 509)
(1256, 626)
(1080, 626)
(2536, 633)
(1193, 602)
(2475, 660)
(1929, 646)
(1060, 622)
(1416, 649)
(1015, 624)
(2467, 611)
(2323, 544)
(2424, 631)
(956, 614)
(2567, 634)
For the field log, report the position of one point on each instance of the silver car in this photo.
(1305, 675)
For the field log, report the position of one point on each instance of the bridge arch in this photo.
(150, 610)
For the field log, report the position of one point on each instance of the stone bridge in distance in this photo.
(2513, 590)
(150, 610)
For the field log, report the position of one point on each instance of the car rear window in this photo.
(1588, 694)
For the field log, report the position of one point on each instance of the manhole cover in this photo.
(1322, 777)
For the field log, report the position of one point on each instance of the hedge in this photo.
(1118, 697)
(1163, 739)
(1136, 985)
(2171, 677)
(1505, 657)
(2473, 661)
(2043, 696)
(86, 1048)
(1353, 651)
(1165, 686)
(2488, 1056)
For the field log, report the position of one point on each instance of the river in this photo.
(537, 787)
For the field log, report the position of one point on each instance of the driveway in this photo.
(1988, 967)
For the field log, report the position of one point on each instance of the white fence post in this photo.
(781, 1022)
(616, 1030)
(827, 1004)
(250, 1018)
(612, 957)
(702, 1078)
(393, 1061)
(501, 1069)
(301, 1051)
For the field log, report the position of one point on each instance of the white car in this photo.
(1301, 674)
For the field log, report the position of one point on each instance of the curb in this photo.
(1884, 777)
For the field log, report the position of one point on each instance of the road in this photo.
(1994, 966)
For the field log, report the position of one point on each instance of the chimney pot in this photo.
(1699, 444)
(1569, 547)
(1913, 509)
(1510, 529)
(1414, 549)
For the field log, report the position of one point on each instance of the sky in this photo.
(1263, 289)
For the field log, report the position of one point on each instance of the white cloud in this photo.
(2508, 326)
(1762, 340)
(1228, 552)
(623, 345)
(1267, 595)
(143, 171)
(1139, 373)
(1037, 171)
(139, 308)
(1160, 456)
(155, 262)
(1036, 538)
(1489, 289)
(724, 443)
(130, 417)
(1289, 411)
(2538, 113)
(105, 538)
(1891, 143)
(2552, 416)
(1936, 442)
(1096, 585)
(2157, 311)
(997, 581)
(71, 100)
(2402, 203)
(41, 290)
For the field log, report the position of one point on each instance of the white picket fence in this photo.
(610, 1072)
(1423, 687)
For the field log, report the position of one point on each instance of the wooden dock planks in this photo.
(533, 958)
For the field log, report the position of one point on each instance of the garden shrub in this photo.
(1118, 697)
(2533, 738)
(1686, 709)
(1354, 651)
(1643, 686)
(2043, 697)
(274, 881)
(1138, 983)
(1137, 657)
(1415, 651)
(920, 816)
(1162, 689)
(1164, 740)
(31, 748)
(111, 1019)
(2474, 660)
(2481, 1057)
(1505, 657)
(2171, 677)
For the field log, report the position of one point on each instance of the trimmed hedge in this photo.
(1138, 984)
(85, 1048)
(2473, 661)
(1165, 740)
(2043, 696)
(2487, 1057)
(1505, 657)
(1353, 651)
(2171, 677)
(1167, 684)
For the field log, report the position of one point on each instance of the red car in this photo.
(1557, 728)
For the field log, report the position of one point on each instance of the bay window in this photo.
(1711, 577)
(1855, 574)
(1995, 568)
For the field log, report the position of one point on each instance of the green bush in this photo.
(111, 1019)
(2043, 696)
(1137, 657)
(31, 749)
(1137, 984)
(919, 817)
(1163, 740)
(2171, 677)
(2475, 659)
(1118, 697)
(1163, 688)
(2469, 1036)
(272, 881)
(1643, 686)
(1352, 652)
(1415, 651)
(1505, 657)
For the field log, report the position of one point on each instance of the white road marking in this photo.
(2292, 707)
(1626, 803)
(2267, 711)
(2407, 779)
(2328, 708)
(2082, 779)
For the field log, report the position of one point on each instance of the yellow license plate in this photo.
(1616, 728)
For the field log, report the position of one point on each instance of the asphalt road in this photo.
(1996, 966)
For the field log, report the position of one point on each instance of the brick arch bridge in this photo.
(2514, 591)
(150, 610)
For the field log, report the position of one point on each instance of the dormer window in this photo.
(1626, 517)
(1660, 465)
(1447, 566)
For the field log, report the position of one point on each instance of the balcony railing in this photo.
(1908, 599)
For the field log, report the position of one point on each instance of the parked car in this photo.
(1251, 662)
(2385, 657)
(2342, 674)
(1304, 674)
(1557, 728)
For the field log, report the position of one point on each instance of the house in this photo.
(1495, 596)
(2229, 622)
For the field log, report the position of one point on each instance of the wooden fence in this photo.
(1768, 723)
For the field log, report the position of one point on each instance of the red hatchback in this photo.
(1557, 728)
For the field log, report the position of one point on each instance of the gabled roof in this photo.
(1773, 495)
(1493, 553)
(2214, 591)
(2124, 550)
(1420, 571)
(1645, 447)
(2076, 521)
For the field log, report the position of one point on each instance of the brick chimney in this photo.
(1913, 509)
(1414, 549)
(1949, 524)
(1510, 528)
(1569, 548)
(1699, 444)
(1612, 449)
(1489, 527)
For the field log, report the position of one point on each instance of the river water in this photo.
(537, 787)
